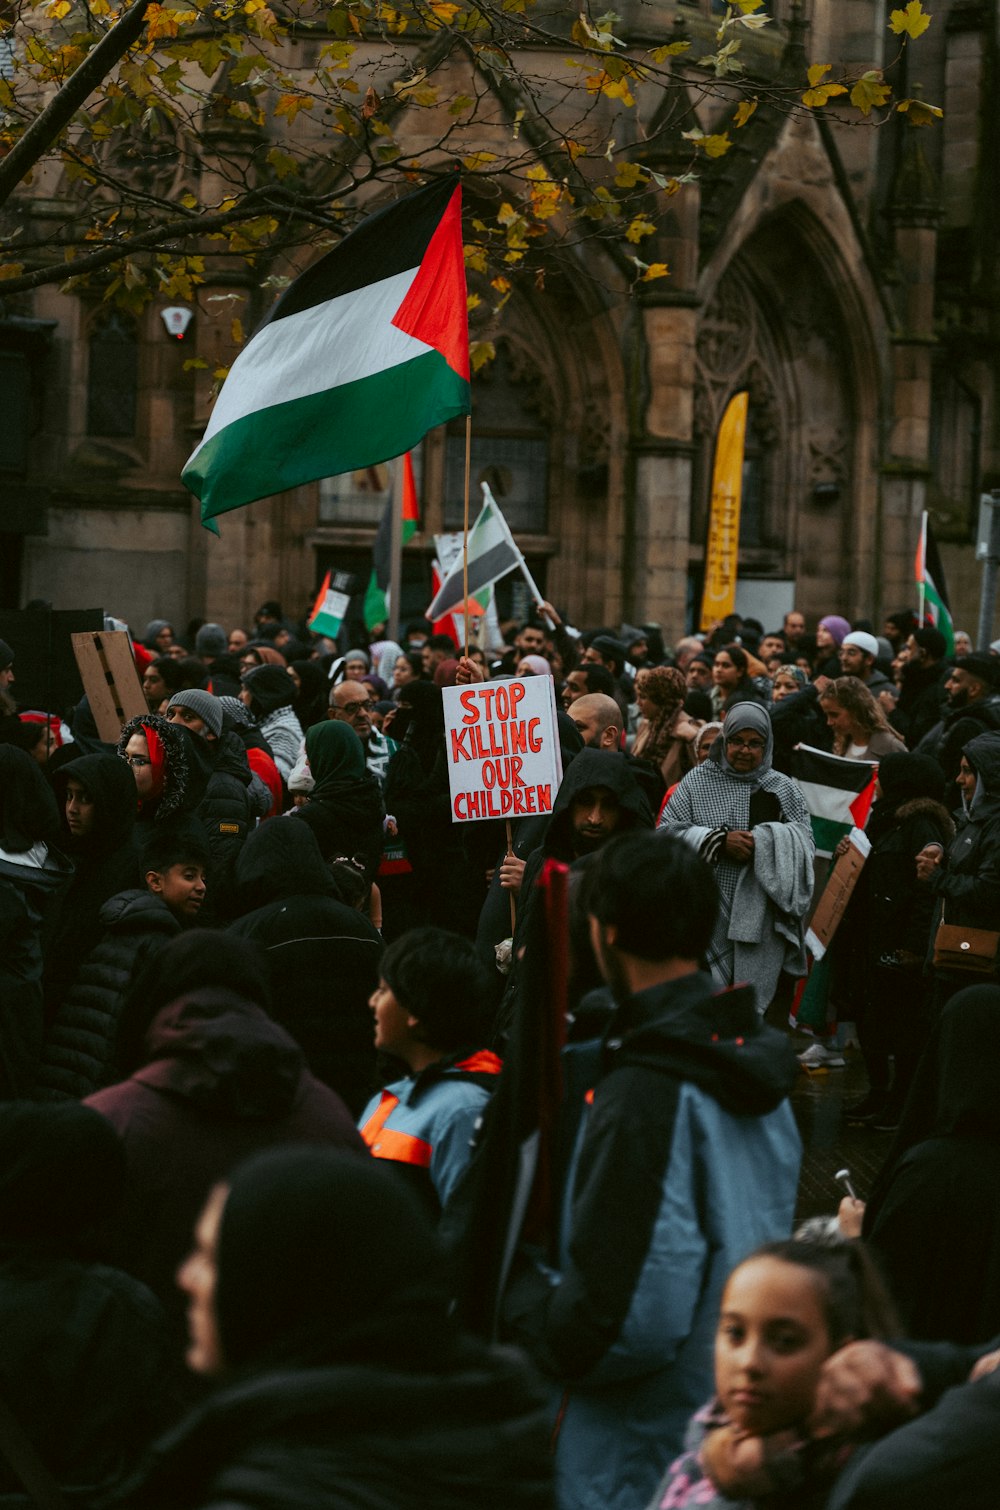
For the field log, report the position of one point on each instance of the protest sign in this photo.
(110, 680)
(833, 903)
(502, 748)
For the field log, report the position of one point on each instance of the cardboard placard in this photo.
(502, 748)
(110, 680)
(836, 894)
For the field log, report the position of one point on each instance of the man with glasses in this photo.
(353, 703)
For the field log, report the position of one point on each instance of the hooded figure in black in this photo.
(84, 1365)
(105, 861)
(967, 881)
(882, 941)
(32, 874)
(934, 1214)
(345, 809)
(322, 955)
(310, 704)
(341, 1379)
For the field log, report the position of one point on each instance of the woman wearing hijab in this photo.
(317, 1305)
(84, 1366)
(881, 944)
(344, 809)
(309, 705)
(666, 734)
(933, 1218)
(751, 824)
(32, 874)
(966, 880)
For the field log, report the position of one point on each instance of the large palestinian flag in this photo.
(358, 359)
(838, 793)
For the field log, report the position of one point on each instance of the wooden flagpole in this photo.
(465, 537)
(396, 549)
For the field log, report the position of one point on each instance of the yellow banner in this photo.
(722, 550)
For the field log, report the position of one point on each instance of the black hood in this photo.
(281, 858)
(983, 752)
(590, 768)
(715, 1040)
(109, 782)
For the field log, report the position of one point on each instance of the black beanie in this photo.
(270, 686)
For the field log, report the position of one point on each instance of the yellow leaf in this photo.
(672, 50)
(481, 352)
(918, 113)
(11, 269)
(869, 91)
(194, 364)
(655, 270)
(289, 105)
(816, 72)
(911, 22)
(744, 111)
(501, 284)
(220, 374)
(816, 97)
(641, 226)
(507, 215)
(472, 301)
(60, 9)
(627, 175)
(236, 331)
(475, 257)
(476, 160)
(713, 146)
(444, 11)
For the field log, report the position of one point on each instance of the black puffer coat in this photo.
(968, 883)
(474, 1437)
(323, 955)
(80, 1053)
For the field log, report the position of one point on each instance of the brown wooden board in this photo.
(110, 680)
(836, 895)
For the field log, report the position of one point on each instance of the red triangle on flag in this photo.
(435, 309)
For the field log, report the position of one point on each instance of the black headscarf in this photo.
(310, 703)
(325, 1258)
(28, 810)
(903, 777)
(62, 1172)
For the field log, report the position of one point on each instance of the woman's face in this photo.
(197, 1277)
(643, 700)
(745, 750)
(784, 686)
(841, 722)
(824, 639)
(402, 672)
(165, 638)
(704, 746)
(354, 670)
(137, 755)
(724, 672)
(772, 1342)
(966, 779)
(295, 678)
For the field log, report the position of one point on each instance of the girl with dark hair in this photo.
(731, 680)
(32, 874)
(784, 1311)
(317, 1302)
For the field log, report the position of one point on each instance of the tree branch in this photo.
(45, 129)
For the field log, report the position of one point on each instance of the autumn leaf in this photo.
(716, 145)
(918, 113)
(672, 50)
(911, 22)
(481, 352)
(655, 270)
(475, 257)
(641, 226)
(627, 175)
(476, 160)
(236, 331)
(370, 103)
(869, 92)
(444, 11)
(289, 105)
(744, 111)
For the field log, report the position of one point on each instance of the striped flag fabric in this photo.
(358, 359)
(838, 793)
(331, 605)
(492, 554)
(376, 605)
(929, 573)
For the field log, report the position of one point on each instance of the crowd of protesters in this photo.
(279, 1041)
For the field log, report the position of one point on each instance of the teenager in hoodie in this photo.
(96, 796)
(685, 1158)
(322, 954)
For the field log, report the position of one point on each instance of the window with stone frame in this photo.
(512, 416)
(112, 376)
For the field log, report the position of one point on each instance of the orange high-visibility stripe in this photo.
(482, 1063)
(387, 1143)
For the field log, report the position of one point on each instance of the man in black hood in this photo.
(685, 1158)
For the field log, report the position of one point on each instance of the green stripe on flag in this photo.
(341, 429)
(828, 832)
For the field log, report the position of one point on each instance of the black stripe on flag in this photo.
(483, 570)
(389, 242)
(809, 764)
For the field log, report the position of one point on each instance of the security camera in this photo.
(177, 319)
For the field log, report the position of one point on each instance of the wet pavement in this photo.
(829, 1143)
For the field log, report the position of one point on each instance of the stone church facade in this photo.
(842, 273)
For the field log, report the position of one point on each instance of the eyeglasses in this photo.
(754, 745)
(136, 761)
(352, 708)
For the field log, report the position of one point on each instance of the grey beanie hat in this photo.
(211, 639)
(203, 704)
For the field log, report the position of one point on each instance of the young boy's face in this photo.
(182, 887)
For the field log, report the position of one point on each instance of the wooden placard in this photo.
(837, 893)
(110, 680)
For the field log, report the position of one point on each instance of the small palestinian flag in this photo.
(492, 554)
(838, 793)
(331, 605)
(358, 359)
(377, 594)
(929, 574)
